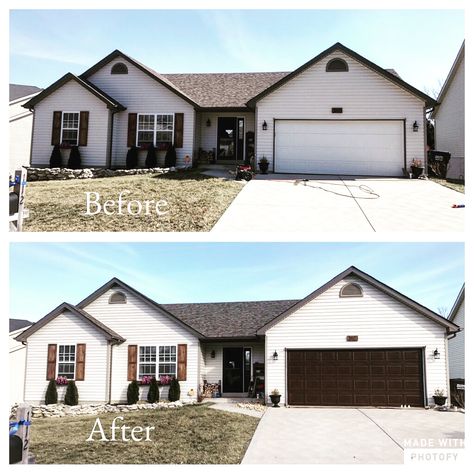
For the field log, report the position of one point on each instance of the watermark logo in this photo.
(413, 456)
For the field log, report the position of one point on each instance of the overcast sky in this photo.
(43, 275)
(46, 44)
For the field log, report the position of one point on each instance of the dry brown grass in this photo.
(195, 203)
(459, 187)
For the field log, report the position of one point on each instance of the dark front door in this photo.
(236, 369)
(230, 139)
(372, 377)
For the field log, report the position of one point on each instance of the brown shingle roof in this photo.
(217, 90)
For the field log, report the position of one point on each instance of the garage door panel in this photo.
(380, 377)
(339, 147)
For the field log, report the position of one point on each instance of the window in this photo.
(351, 290)
(117, 298)
(70, 128)
(119, 68)
(149, 365)
(337, 65)
(156, 129)
(66, 361)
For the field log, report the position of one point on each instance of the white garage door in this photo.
(373, 148)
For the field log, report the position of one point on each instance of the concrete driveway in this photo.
(286, 203)
(349, 435)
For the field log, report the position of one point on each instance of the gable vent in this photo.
(117, 298)
(351, 290)
(119, 68)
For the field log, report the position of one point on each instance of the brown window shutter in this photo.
(182, 361)
(178, 130)
(132, 130)
(51, 365)
(132, 363)
(80, 361)
(56, 134)
(83, 128)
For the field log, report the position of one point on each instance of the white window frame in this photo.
(59, 362)
(155, 130)
(157, 363)
(78, 125)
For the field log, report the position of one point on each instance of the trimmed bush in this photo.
(170, 157)
(151, 160)
(153, 391)
(74, 161)
(174, 393)
(133, 392)
(56, 160)
(132, 158)
(51, 393)
(72, 395)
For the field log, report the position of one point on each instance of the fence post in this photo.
(24, 413)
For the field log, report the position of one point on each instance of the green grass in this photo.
(190, 435)
(456, 186)
(195, 203)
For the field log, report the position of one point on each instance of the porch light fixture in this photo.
(415, 126)
(264, 125)
(275, 355)
(213, 354)
(436, 354)
(208, 123)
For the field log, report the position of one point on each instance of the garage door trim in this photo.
(403, 120)
(422, 349)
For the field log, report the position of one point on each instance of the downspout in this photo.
(109, 398)
(32, 134)
(448, 381)
(425, 141)
(109, 153)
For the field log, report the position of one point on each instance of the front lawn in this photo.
(456, 186)
(195, 203)
(189, 435)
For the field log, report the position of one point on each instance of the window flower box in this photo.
(162, 380)
(62, 381)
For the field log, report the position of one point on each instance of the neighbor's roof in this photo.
(16, 324)
(17, 91)
(457, 304)
(229, 320)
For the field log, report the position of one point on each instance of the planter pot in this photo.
(275, 400)
(263, 167)
(416, 171)
(440, 401)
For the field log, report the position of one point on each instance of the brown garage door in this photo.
(381, 377)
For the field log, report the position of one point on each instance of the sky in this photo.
(420, 45)
(43, 275)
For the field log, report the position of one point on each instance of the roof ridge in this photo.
(234, 302)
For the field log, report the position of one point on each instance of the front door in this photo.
(230, 139)
(236, 369)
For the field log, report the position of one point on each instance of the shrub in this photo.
(170, 157)
(133, 392)
(153, 392)
(74, 158)
(132, 158)
(56, 159)
(72, 396)
(151, 160)
(174, 393)
(51, 393)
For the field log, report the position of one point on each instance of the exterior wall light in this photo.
(264, 125)
(415, 126)
(213, 354)
(436, 354)
(208, 123)
(275, 355)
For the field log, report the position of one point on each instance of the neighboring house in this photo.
(354, 341)
(21, 125)
(337, 114)
(17, 360)
(456, 345)
(449, 118)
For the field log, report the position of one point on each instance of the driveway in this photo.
(301, 203)
(349, 435)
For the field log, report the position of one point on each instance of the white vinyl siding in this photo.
(377, 319)
(456, 347)
(361, 92)
(71, 96)
(67, 329)
(142, 94)
(143, 325)
(17, 366)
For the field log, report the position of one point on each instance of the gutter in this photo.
(109, 154)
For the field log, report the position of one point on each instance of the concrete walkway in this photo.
(230, 405)
(286, 203)
(346, 435)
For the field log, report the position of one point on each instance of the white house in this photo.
(354, 341)
(21, 125)
(456, 345)
(337, 114)
(17, 360)
(449, 118)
